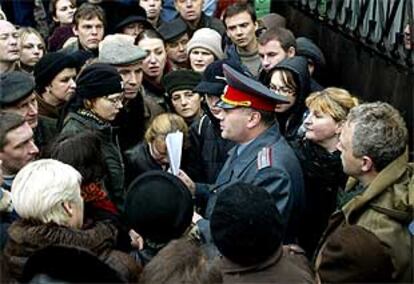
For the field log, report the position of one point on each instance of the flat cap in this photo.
(307, 48)
(170, 31)
(15, 86)
(244, 91)
(119, 49)
(180, 80)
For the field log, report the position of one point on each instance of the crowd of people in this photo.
(281, 179)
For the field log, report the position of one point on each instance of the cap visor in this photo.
(224, 105)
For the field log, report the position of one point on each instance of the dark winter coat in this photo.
(84, 120)
(28, 236)
(282, 267)
(324, 176)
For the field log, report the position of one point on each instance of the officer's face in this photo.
(241, 30)
(233, 124)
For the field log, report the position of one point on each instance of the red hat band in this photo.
(239, 98)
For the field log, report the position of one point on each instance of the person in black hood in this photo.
(208, 150)
(290, 78)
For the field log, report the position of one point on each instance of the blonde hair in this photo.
(40, 188)
(25, 31)
(336, 102)
(163, 124)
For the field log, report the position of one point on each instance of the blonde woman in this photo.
(32, 48)
(152, 154)
(320, 159)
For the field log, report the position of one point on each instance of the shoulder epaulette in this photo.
(264, 158)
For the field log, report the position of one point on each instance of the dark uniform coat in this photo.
(269, 162)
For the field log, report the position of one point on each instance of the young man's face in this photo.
(189, 10)
(241, 30)
(152, 7)
(19, 149)
(271, 53)
(177, 50)
(9, 42)
(90, 32)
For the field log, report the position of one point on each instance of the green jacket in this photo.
(385, 209)
(77, 122)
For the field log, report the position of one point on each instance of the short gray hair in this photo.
(40, 188)
(379, 133)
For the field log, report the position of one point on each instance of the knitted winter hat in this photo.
(245, 224)
(158, 206)
(98, 80)
(208, 39)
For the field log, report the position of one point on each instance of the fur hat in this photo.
(245, 224)
(119, 49)
(209, 39)
(158, 206)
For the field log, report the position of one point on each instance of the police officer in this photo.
(261, 156)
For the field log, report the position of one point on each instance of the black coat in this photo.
(323, 176)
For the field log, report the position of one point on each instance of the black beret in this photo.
(158, 206)
(15, 86)
(180, 80)
(245, 224)
(49, 66)
(98, 80)
(171, 31)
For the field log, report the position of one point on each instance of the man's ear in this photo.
(75, 30)
(367, 164)
(67, 206)
(291, 51)
(254, 119)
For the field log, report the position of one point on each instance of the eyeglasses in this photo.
(284, 91)
(114, 100)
